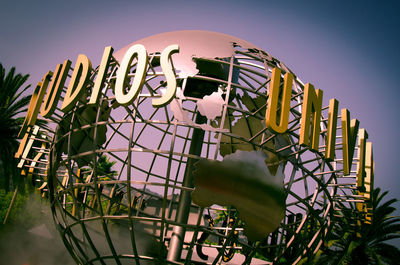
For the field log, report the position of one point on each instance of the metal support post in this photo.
(185, 199)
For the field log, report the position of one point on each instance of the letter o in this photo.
(138, 51)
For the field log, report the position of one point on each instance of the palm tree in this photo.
(355, 242)
(12, 104)
(104, 167)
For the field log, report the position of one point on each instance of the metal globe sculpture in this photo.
(196, 179)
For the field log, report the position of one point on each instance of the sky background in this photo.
(350, 50)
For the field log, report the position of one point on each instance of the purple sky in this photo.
(349, 50)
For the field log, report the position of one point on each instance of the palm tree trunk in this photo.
(11, 204)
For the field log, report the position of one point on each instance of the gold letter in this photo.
(34, 105)
(349, 136)
(138, 51)
(366, 206)
(331, 130)
(77, 82)
(362, 139)
(28, 146)
(369, 170)
(101, 74)
(272, 107)
(169, 72)
(22, 144)
(56, 86)
(311, 113)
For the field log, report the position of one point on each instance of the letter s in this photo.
(169, 73)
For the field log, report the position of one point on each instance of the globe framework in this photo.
(117, 176)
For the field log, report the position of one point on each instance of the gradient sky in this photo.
(347, 49)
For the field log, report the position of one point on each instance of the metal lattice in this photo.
(126, 214)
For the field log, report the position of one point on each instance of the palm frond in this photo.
(13, 105)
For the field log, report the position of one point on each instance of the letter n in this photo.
(311, 117)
